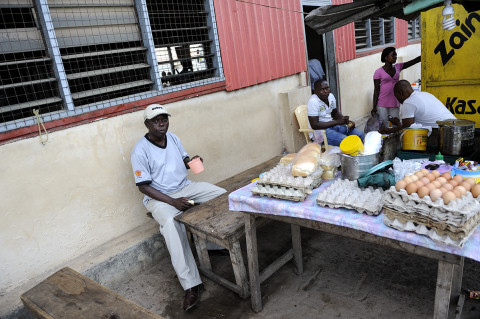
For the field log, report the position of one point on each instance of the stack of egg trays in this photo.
(452, 224)
(279, 183)
(346, 194)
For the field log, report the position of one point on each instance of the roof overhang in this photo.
(328, 18)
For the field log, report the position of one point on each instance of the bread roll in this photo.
(306, 161)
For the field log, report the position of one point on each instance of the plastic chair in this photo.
(302, 118)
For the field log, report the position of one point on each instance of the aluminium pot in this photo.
(354, 166)
(456, 136)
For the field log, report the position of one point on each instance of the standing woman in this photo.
(384, 79)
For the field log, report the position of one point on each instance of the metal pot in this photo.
(354, 166)
(456, 136)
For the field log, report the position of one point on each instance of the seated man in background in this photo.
(416, 107)
(323, 115)
(159, 163)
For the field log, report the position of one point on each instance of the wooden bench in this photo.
(212, 221)
(69, 294)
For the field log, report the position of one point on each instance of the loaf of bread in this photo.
(306, 161)
(287, 159)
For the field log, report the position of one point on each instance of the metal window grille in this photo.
(414, 29)
(375, 32)
(67, 57)
(184, 48)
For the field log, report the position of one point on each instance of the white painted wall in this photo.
(77, 192)
(356, 79)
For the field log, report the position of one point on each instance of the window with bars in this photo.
(67, 57)
(414, 29)
(375, 32)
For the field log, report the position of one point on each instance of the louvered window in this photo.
(414, 29)
(27, 80)
(375, 32)
(67, 57)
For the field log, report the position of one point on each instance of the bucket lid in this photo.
(350, 144)
(456, 122)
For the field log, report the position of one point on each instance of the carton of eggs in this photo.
(436, 185)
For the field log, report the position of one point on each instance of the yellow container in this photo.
(352, 145)
(414, 139)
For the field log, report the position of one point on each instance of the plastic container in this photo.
(352, 145)
(414, 139)
(196, 165)
(466, 174)
(354, 166)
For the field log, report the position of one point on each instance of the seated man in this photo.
(159, 164)
(323, 115)
(416, 107)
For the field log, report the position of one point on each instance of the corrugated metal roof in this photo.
(260, 40)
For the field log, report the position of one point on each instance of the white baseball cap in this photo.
(154, 110)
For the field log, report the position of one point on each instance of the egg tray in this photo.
(281, 192)
(438, 232)
(457, 213)
(281, 175)
(346, 194)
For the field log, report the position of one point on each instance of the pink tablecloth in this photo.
(243, 200)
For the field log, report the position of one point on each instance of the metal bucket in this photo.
(354, 166)
(456, 136)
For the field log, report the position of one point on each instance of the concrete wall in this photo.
(356, 79)
(77, 192)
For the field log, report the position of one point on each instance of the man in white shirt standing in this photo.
(417, 107)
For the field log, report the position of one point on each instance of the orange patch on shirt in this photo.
(138, 173)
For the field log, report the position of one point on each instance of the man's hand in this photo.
(351, 125)
(395, 121)
(181, 203)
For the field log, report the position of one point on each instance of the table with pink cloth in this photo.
(450, 265)
(243, 200)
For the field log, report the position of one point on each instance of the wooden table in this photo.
(450, 259)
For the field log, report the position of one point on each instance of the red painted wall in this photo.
(260, 40)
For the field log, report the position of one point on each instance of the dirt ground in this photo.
(342, 278)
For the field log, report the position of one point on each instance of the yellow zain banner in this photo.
(451, 62)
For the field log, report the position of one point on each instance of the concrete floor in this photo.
(342, 278)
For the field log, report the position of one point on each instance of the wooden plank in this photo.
(202, 252)
(276, 265)
(69, 294)
(459, 308)
(220, 280)
(239, 269)
(297, 249)
(252, 252)
(443, 290)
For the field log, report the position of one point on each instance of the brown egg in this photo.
(443, 190)
(436, 173)
(425, 180)
(471, 181)
(437, 184)
(458, 178)
(453, 182)
(430, 176)
(448, 186)
(457, 193)
(447, 176)
(419, 184)
(401, 184)
(430, 186)
(461, 189)
(467, 185)
(419, 174)
(407, 179)
(423, 191)
(424, 171)
(411, 188)
(448, 197)
(414, 178)
(476, 190)
(435, 194)
(442, 180)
